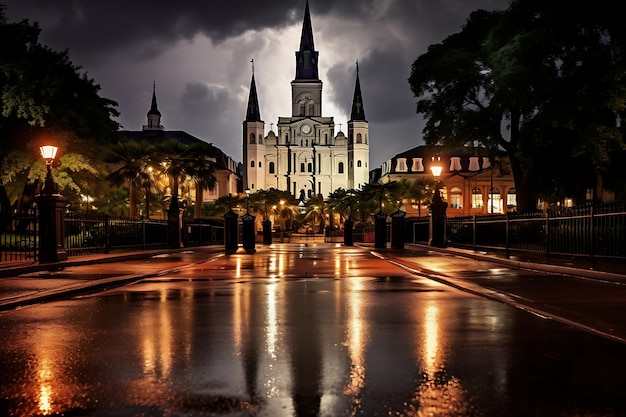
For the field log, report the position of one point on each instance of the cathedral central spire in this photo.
(306, 57)
(253, 113)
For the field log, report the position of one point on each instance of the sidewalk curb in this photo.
(88, 286)
(534, 266)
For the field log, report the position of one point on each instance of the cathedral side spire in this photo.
(153, 107)
(307, 56)
(253, 114)
(154, 115)
(358, 111)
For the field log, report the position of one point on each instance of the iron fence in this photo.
(199, 234)
(19, 237)
(590, 231)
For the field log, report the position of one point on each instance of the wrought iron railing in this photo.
(19, 240)
(583, 231)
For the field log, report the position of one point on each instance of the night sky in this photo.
(198, 52)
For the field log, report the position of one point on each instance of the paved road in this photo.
(299, 330)
(591, 299)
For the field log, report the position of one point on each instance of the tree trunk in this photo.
(197, 208)
(132, 201)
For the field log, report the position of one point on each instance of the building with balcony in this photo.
(472, 182)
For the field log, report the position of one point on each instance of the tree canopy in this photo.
(543, 82)
(46, 99)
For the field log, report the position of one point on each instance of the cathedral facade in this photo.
(304, 155)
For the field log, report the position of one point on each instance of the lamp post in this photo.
(247, 225)
(438, 208)
(51, 206)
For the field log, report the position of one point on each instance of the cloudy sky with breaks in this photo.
(198, 52)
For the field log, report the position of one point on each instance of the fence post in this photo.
(592, 232)
(143, 233)
(474, 232)
(107, 240)
(506, 237)
(547, 237)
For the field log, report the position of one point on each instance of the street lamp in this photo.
(48, 152)
(436, 167)
(51, 207)
(437, 229)
(247, 200)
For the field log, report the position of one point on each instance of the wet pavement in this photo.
(307, 330)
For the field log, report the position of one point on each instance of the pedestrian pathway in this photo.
(29, 284)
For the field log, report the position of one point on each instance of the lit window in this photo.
(401, 165)
(494, 204)
(477, 198)
(511, 199)
(456, 198)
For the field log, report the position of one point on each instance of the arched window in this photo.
(359, 138)
(340, 168)
(302, 108)
(259, 164)
(477, 198)
(456, 198)
(286, 137)
(311, 109)
(309, 167)
(252, 139)
(494, 204)
(325, 138)
(271, 168)
(511, 199)
(358, 163)
(301, 166)
(252, 164)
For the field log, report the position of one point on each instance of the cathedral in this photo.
(305, 156)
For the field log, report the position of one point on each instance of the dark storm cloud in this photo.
(125, 45)
(103, 27)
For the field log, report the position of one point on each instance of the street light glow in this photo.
(436, 166)
(48, 152)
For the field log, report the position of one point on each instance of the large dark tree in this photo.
(541, 81)
(45, 98)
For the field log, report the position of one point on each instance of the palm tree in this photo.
(383, 193)
(129, 160)
(316, 211)
(176, 161)
(202, 170)
(341, 201)
(410, 189)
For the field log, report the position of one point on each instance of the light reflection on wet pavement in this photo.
(300, 331)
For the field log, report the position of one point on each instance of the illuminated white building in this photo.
(305, 156)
